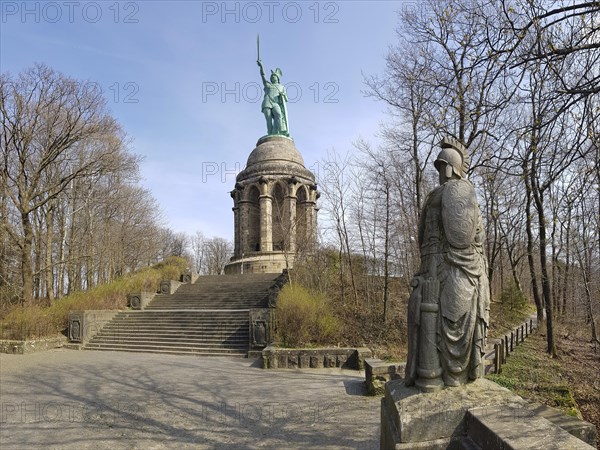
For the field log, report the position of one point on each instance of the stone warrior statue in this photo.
(448, 310)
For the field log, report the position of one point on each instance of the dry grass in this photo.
(34, 321)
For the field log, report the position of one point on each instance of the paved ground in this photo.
(66, 399)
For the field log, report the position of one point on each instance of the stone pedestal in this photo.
(266, 197)
(140, 300)
(84, 325)
(477, 415)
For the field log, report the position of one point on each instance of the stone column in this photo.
(236, 231)
(266, 223)
(291, 212)
(243, 223)
(311, 216)
(235, 195)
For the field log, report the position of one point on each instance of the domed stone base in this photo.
(275, 210)
(265, 262)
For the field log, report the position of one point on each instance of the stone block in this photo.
(377, 367)
(268, 361)
(261, 329)
(378, 372)
(83, 325)
(341, 360)
(168, 287)
(508, 427)
(189, 277)
(282, 360)
(330, 360)
(357, 359)
(292, 361)
(410, 416)
(304, 361)
(480, 415)
(316, 362)
(139, 300)
(579, 428)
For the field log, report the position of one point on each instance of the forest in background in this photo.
(73, 214)
(518, 83)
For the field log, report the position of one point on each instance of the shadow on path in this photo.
(111, 400)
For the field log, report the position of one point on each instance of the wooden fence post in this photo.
(497, 364)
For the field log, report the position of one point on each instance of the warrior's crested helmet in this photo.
(277, 72)
(455, 156)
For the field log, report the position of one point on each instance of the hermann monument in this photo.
(275, 196)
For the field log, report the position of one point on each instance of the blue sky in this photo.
(181, 77)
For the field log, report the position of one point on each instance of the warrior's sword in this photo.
(258, 46)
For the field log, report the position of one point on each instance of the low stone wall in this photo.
(32, 346)
(315, 358)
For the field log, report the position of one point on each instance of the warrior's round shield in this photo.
(459, 213)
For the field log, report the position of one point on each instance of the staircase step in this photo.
(506, 427)
(239, 343)
(208, 317)
(199, 319)
(165, 347)
(173, 352)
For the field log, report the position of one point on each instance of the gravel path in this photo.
(66, 399)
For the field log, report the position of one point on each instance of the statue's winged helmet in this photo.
(277, 72)
(456, 157)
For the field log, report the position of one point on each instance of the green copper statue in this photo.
(274, 103)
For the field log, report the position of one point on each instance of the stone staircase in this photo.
(207, 317)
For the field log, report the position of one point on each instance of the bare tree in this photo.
(198, 247)
(70, 205)
(54, 130)
(336, 189)
(218, 252)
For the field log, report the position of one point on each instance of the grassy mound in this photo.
(30, 322)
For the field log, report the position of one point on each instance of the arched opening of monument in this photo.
(281, 228)
(253, 228)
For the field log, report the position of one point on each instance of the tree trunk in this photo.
(386, 254)
(546, 282)
(528, 226)
(49, 270)
(26, 269)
